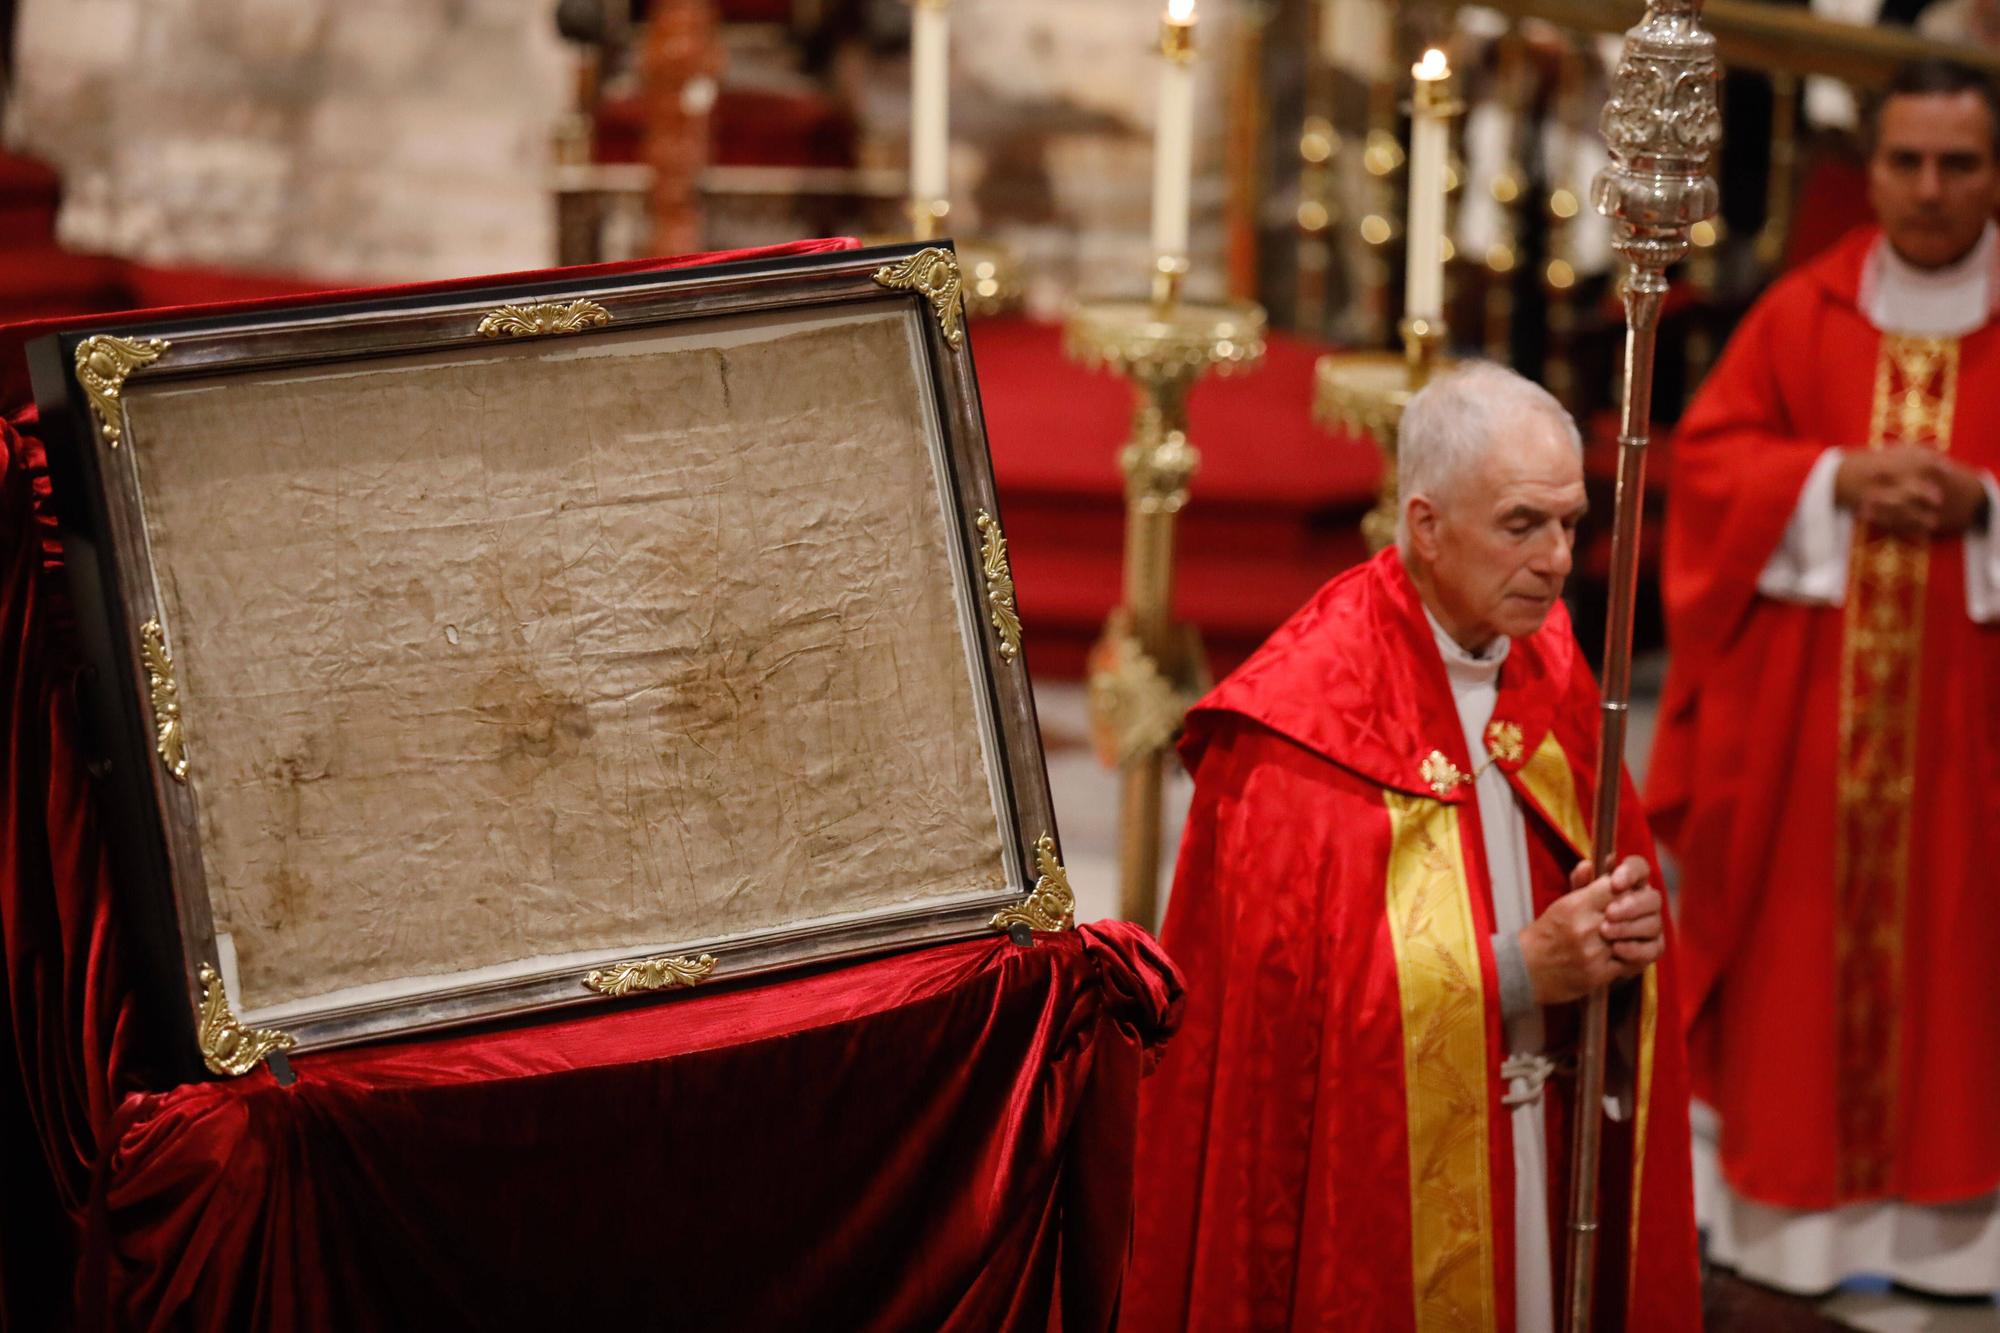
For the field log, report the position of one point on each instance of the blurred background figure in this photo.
(1831, 580)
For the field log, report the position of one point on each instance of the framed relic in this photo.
(467, 656)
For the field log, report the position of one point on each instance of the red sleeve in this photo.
(1740, 460)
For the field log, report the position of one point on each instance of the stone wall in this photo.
(364, 139)
(400, 139)
(1052, 110)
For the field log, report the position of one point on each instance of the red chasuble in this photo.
(1827, 775)
(1324, 1144)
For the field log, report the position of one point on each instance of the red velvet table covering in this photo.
(939, 1139)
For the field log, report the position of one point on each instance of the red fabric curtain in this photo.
(939, 1139)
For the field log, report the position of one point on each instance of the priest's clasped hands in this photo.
(1601, 931)
(1910, 491)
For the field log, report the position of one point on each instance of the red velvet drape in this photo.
(938, 1139)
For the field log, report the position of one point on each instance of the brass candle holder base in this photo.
(1147, 669)
(1366, 391)
(992, 277)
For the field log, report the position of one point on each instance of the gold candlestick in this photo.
(927, 217)
(1366, 392)
(1146, 669)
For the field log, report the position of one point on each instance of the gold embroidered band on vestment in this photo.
(1445, 1073)
(1916, 390)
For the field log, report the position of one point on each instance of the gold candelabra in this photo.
(1147, 668)
(1366, 392)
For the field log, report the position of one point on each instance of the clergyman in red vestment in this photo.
(1385, 919)
(1825, 765)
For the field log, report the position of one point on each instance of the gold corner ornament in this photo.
(1504, 742)
(1440, 774)
(933, 274)
(169, 735)
(1052, 905)
(999, 585)
(103, 363)
(227, 1047)
(650, 974)
(546, 317)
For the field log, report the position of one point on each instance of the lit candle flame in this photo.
(1432, 67)
(1181, 12)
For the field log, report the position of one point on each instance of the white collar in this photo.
(1899, 297)
(1463, 666)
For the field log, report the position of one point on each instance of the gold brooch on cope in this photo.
(1440, 773)
(1503, 742)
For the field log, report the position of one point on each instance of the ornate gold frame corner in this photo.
(932, 273)
(228, 1047)
(650, 974)
(104, 362)
(1051, 906)
(1006, 620)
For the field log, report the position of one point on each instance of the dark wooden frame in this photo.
(152, 819)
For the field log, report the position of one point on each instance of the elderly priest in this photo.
(1386, 925)
(1825, 766)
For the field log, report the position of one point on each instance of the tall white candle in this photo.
(930, 78)
(1173, 138)
(1430, 144)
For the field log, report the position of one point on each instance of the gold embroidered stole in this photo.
(1445, 1070)
(1916, 388)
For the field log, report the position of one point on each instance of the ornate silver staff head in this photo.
(1662, 126)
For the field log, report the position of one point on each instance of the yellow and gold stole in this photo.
(1446, 1073)
(1881, 659)
(1443, 992)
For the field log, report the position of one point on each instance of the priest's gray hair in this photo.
(1451, 422)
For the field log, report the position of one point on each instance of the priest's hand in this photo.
(1903, 489)
(1964, 504)
(1601, 931)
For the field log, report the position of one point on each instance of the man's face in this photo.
(1932, 178)
(1498, 544)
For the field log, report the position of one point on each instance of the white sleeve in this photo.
(1810, 565)
(1982, 561)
